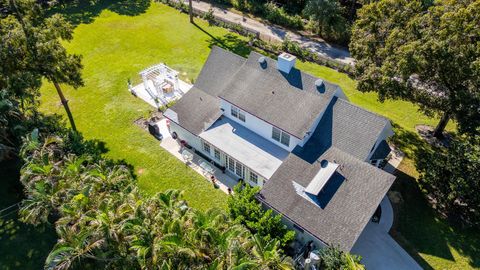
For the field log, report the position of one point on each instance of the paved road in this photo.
(378, 249)
(274, 33)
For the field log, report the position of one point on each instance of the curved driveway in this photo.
(378, 249)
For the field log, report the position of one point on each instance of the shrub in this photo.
(209, 17)
(278, 16)
(245, 209)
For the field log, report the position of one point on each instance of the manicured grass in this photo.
(116, 47)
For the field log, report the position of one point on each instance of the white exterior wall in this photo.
(185, 135)
(257, 125)
(386, 132)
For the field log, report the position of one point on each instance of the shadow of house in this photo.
(321, 139)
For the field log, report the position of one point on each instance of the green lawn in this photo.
(118, 40)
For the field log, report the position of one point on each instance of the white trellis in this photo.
(161, 83)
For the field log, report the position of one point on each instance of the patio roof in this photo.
(252, 150)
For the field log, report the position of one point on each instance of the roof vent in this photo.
(321, 178)
(320, 85)
(263, 62)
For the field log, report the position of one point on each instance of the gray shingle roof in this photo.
(348, 128)
(197, 110)
(220, 66)
(342, 209)
(288, 101)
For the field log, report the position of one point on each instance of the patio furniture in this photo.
(207, 169)
(187, 156)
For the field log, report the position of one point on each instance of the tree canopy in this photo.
(429, 55)
(33, 51)
(103, 221)
(452, 176)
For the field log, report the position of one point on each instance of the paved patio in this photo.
(223, 180)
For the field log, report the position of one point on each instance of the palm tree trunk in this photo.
(65, 105)
(190, 5)
(438, 132)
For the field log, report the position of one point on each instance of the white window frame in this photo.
(205, 146)
(285, 139)
(230, 164)
(282, 137)
(254, 176)
(237, 113)
(215, 152)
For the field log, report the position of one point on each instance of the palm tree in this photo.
(268, 254)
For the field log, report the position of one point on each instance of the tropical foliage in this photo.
(102, 220)
(334, 259)
(244, 208)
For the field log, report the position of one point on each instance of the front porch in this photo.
(223, 180)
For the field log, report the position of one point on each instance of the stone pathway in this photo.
(273, 33)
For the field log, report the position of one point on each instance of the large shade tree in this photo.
(452, 176)
(38, 43)
(427, 54)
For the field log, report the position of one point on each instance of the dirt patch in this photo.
(142, 122)
(426, 132)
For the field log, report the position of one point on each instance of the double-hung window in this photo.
(237, 113)
(280, 136)
(216, 153)
(231, 164)
(206, 147)
(253, 177)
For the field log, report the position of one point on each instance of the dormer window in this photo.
(280, 136)
(237, 113)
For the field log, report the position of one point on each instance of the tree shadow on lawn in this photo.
(79, 11)
(23, 246)
(418, 227)
(229, 41)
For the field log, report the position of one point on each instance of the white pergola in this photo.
(161, 83)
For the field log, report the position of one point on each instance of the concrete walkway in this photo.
(274, 33)
(223, 180)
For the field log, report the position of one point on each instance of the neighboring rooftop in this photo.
(290, 101)
(252, 150)
(342, 209)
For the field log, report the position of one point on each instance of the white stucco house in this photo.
(313, 153)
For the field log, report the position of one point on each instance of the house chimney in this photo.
(286, 62)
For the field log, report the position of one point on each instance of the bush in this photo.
(209, 17)
(333, 259)
(278, 16)
(244, 208)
